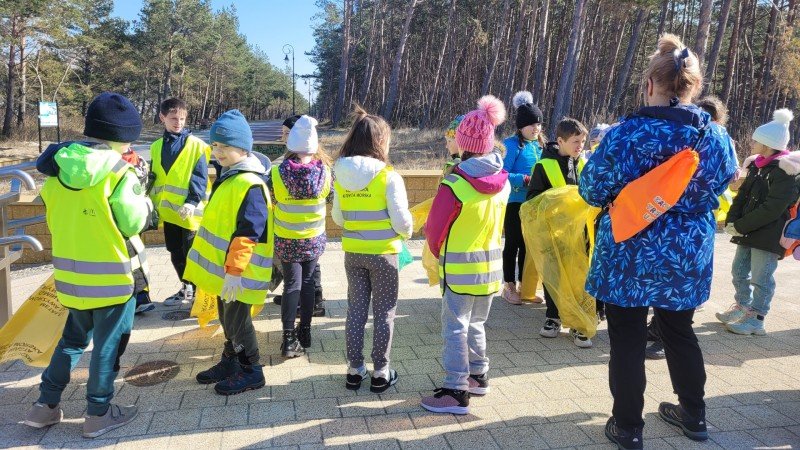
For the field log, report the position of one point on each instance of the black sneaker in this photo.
(693, 427)
(625, 440)
(354, 380)
(655, 351)
(291, 347)
(319, 311)
(277, 299)
(303, 333)
(652, 332)
(225, 368)
(379, 385)
(478, 384)
(249, 378)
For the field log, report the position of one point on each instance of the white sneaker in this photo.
(551, 328)
(188, 294)
(177, 298)
(579, 339)
(734, 314)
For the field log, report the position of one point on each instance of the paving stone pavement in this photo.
(546, 393)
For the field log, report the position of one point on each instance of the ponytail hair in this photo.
(368, 136)
(674, 69)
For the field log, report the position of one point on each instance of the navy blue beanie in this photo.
(112, 117)
(231, 128)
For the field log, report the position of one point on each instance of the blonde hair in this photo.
(674, 69)
(321, 155)
(368, 136)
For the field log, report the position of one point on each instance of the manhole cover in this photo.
(152, 372)
(176, 315)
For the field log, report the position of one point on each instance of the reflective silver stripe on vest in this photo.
(473, 279)
(169, 205)
(176, 190)
(302, 209)
(474, 257)
(215, 241)
(365, 215)
(300, 226)
(155, 190)
(92, 268)
(75, 290)
(261, 261)
(119, 165)
(452, 178)
(219, 271)
(370, 235)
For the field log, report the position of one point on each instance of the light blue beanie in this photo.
(231, 128)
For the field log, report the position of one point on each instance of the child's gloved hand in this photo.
(231, 288)
(730, 229)
(186, 211)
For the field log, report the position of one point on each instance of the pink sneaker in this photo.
(510, 294)
(447, 401)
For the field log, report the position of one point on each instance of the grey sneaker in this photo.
(41, 415)
(734, 314)
(115, 417)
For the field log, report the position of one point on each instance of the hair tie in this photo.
(674, 101)
(680, 59)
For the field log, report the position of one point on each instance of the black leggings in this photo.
(627, 330)
(298, 288)
(514, 250)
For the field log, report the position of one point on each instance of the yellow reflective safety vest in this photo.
(553, 171)
(367, 226)
(205, 264)
(94, 272)
(299, 218)
(170, 189)
(471, 259)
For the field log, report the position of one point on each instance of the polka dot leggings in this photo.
(370, 277)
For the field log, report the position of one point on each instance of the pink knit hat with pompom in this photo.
(475, 134)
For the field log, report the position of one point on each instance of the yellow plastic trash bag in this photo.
(419, 213)
(205, 308)
(554, 228)
(35, 329)
(531, 282)
(725, 202)
(431, 265)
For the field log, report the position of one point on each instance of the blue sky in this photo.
(269, 24)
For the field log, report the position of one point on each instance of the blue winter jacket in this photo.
(667, 265)
(519, 163)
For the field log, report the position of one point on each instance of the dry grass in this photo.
(410, 148)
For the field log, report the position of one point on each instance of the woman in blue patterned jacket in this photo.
(668, 265)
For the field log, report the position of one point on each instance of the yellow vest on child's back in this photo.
(171, 188)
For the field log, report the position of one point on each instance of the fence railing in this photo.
(11, 244)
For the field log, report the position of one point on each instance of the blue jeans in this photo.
(110, 329)
(464, 353)
(753, 278)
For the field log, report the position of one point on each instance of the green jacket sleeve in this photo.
(130, 205)
(782, 193)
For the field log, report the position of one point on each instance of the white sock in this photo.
(357, 371)
(383, 373)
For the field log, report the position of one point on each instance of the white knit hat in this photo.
(303, 136)
(775, 134)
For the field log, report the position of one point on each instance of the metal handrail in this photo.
(20, 178)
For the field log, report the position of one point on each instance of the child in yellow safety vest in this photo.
(372, 206)
(464, 231)
(96, 209)
(300, 185)
(560, 165)
(231, 256)
(180, 190)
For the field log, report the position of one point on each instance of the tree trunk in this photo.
(610, 76)
(711, 65)
(344, 65)
(733, 50)
(432, 93)
(574, 67)
(662, 18)
(23, 85)
(622, 78)
(498, 42)
(512, 64)
(570, 62)
(398, 62)
(370, 67)
(703, 27)
(9, 113)
(541, 62)
(531, 49)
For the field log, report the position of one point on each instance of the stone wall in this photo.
(420, 184)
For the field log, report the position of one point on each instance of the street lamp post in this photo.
(286, 50)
